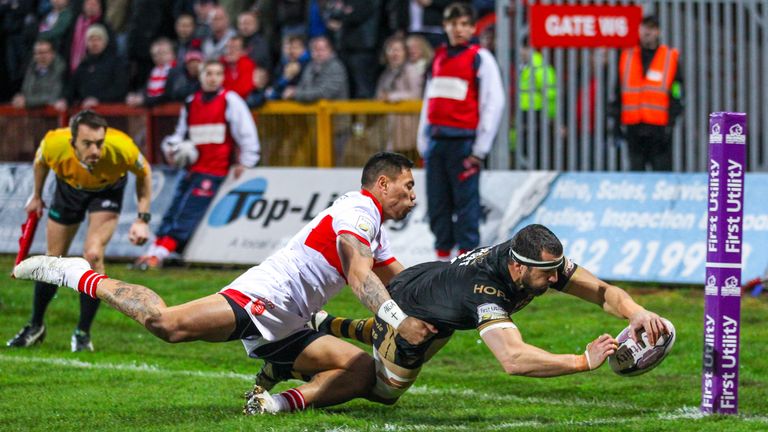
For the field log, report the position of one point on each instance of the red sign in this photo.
(584, 26)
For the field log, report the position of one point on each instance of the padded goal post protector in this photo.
(722, 289)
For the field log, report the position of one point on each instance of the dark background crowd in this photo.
(144, 52)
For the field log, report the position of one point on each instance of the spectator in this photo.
(648, 99)
(148, 21)
(420, 52)
(258, 96)
(238, 68)
(400, 81)
(56, 23)
(203, 9)
(117, 14)
(164, 60)
(288, 73)
(291, 16)
(355, 24)
(256, 46)
(100, 77)
(185, 36)
(235, 7)
(91, 13)
(215, 44)
(323, 78)
(43, 81)
(425, 18)
(215, 120)
(18, 29)
(183, 80)
(459, 120)
(537, 87)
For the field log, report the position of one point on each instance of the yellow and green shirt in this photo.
(119, 155)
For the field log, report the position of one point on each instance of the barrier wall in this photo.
(633, 227)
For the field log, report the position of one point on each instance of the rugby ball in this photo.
(184, 154)
(636, 358)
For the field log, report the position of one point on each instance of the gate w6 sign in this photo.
(584, 26)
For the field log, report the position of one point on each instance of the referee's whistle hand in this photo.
(139, 233)
(416, 331)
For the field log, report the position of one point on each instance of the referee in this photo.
(90, 161)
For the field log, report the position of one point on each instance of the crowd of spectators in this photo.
(144, 52)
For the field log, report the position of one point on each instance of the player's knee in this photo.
(94, 256)
(363, 368)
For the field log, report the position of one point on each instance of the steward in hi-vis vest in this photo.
(647, 99)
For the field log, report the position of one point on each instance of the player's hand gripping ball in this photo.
(636, 358)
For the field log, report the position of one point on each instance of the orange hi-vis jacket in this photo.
(645, 97)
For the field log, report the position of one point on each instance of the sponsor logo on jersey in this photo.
(489, 290)
(490, 312)
(364, 224)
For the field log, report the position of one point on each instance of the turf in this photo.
(135, 382)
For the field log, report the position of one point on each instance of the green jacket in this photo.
(540, 74)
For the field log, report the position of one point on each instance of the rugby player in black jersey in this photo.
(481, 289)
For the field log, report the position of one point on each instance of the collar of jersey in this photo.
(375, 201)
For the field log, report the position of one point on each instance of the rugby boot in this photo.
(258, 401)
(81, 341)
(50, 269)
(148, 262)
(29, 335)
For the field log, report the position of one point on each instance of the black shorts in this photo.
(281, 353)
(399, 351)
(70, 204)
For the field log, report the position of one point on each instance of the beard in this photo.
(529, 288)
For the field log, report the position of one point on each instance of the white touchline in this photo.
(681, 413)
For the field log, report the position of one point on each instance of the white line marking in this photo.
(691, 413)
(129, 367)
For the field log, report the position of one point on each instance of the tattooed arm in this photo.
(357, 263)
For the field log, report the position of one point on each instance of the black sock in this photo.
(88, 308)
(44, 293)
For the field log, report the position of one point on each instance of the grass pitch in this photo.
(136, 382)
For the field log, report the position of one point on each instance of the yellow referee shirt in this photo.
(119, 155)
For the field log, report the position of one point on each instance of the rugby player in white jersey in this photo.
(269, 305)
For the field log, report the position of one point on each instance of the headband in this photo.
(544, 265)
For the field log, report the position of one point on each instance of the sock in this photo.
(443, 255)
(169, 244)
(290, 400)
(158, 251)
(87, 281)
(44, 293)
(88, 308)
(355, 329)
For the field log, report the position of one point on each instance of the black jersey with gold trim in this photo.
(473, 290)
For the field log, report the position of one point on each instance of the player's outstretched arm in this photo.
(357, 263)
(615, 301)
(520, 358)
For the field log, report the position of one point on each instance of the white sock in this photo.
(73, 274)
(158, 251)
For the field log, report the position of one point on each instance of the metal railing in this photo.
(323, 134)
(723, 48)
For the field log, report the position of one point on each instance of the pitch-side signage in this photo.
(584, 26)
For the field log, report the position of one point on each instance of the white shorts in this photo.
(265, 295)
